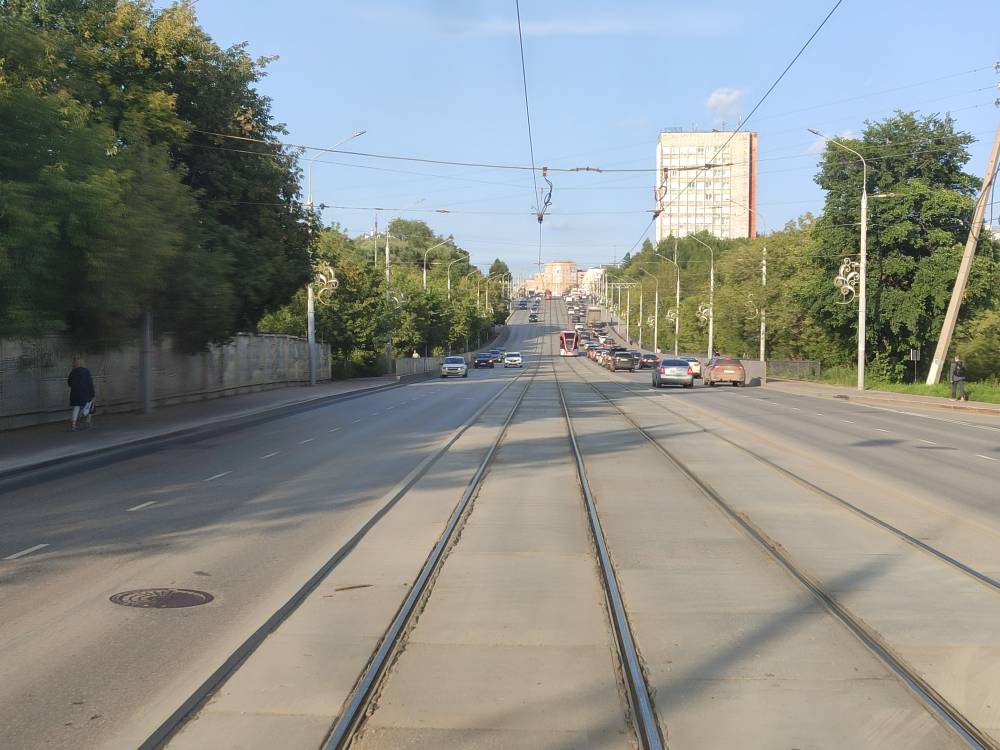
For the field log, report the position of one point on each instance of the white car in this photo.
(454, 366)
(512, 359)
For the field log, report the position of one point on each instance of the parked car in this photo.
(695, 365)
(673, 372)
(483, 359)
(724, 370)
(454, 366)
(647, 361)
(512, 359)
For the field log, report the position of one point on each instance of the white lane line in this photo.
(880, 429)
(847, 421)
(376, 413)
(988, 458)
(333, 429)
(796, 408)
(218, 476)
(140, 506)
(929, 442)
(307, 440)
(820, 415)
(268, 455)
(24, 552)
(355, 421)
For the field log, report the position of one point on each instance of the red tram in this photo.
(567, 343)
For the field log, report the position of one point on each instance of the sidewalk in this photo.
(806, 388)
(51, 444)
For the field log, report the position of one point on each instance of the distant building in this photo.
(720, 200)
(558, 277)
(593, 280)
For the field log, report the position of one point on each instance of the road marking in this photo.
(140, 506)
(929, 442)
(269, 455)
(988, 458)
(218, 476)
(355, 421)
(24, 552)
(820, 415)
(796, 408)
(333, 429)
(376, 413)
(847, 421)
(307, 440)
(881, 429)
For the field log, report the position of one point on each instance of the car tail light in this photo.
(690, 371)
(663, 371)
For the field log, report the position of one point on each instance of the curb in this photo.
(59, 465)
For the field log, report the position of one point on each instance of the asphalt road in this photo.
(247, 516)
(250, 515)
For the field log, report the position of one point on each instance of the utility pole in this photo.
(640, 316)
(763, 310)
(628, 309)
(955, 304)
(677, 318)
(388, 305)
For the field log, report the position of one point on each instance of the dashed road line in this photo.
(268, 455)
(307, 440)
(988, 458)
(847, 421)
(140, 506)
(333, 429)
(820, 415)
(24, 552)
(218, 476)
(355, 421)
(929, 442)
(880, 429)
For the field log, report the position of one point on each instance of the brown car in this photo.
(724, 370)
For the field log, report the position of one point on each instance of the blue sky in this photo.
(442, 80)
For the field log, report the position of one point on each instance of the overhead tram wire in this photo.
(751, 114)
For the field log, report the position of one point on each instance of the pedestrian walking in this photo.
(958, 379)
(81, 393)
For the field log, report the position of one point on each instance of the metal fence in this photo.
(793, 369)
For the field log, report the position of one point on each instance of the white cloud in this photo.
(819, 145)
(725, 104)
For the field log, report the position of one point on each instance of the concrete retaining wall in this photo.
(33, 374)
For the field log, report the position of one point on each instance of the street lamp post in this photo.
(432, 247)
(677, 272)
(656, 311)
(711, 293)
(310, 294)
(863, 266)
(467, 256)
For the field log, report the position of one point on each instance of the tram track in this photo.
(988, 581)
(643, 717)
(189, 707)
(925, 693)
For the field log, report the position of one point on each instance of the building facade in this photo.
(706, 182)
(593, 280)
(558, 277)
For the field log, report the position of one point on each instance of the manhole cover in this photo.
(162, 598)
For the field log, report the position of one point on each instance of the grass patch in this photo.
(980, 390)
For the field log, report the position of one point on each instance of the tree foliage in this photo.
(114, 196)
(920, 205)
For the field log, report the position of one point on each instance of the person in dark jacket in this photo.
(81, 392)
(958, 379)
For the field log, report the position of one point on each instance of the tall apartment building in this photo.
(722, 199)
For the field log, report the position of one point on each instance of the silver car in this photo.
(673, 372)
(454, 366)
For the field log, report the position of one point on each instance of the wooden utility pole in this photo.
(951, 317)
